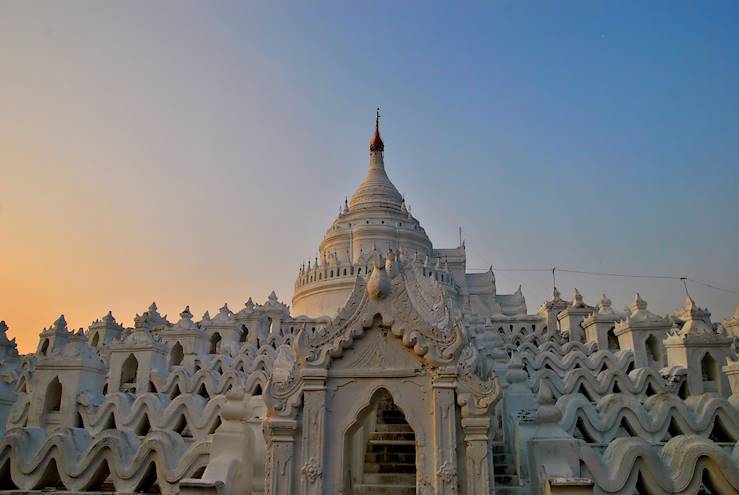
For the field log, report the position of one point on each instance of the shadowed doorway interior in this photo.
(381, 450)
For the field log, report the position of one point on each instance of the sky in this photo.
(196, 152)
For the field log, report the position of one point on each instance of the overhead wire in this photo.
(683, 279)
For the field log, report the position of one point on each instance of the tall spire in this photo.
(376, 143)
(376, 190)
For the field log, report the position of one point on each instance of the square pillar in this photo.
(477, 472)
(445, 431)
(314, 416)
(280, 464)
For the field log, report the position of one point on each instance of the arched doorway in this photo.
(176, 355)
(613, 344)
(381, 450)
(54, 396)
(653, 350)
(128, 374)
(215, 343)
(709, 373)
(53, 403)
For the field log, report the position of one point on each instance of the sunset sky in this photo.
(195, 152)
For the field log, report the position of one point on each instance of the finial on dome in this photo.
(376, 143)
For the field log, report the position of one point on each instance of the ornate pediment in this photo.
(396, 323)
(377, 353)
(416, 309)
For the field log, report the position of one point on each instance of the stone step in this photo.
(392, 420)
(504, 469)
(371, 441)
(506, 480)
(370, 489)
(389, 411)
(391, 447)
(395, 468)
(390, 457)
(391, 417)
(395, 479)
(396, 427)
(510, 490)
(392, 435)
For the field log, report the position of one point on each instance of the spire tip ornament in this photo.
(376, 143)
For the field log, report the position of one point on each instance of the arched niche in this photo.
(709, 373)
(377, 364)
(654, 349)
(215, 343)
(129, 370)
(379, 447)
(53, 398)
(176, 355)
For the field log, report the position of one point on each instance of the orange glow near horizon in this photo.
(68, 249)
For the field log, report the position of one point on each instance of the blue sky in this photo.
(195, 152)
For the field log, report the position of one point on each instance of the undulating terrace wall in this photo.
(619, 428)
(147, 439)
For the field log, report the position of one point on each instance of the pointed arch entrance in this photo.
(377, 381)
(380, 449)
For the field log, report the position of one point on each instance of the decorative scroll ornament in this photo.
(479, 388)
(311, 471)
(447, 473)
(414, 308)
(282, 390)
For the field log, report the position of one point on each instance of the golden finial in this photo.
(376, 143)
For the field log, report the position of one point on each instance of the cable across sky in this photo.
(555, 269)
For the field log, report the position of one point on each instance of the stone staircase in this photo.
(390, 457)
(506, 478)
